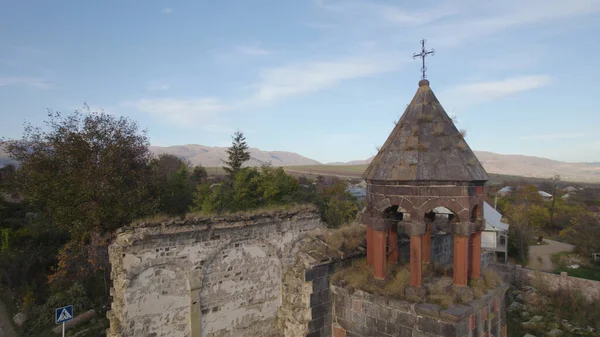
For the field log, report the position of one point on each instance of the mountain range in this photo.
(519, 165)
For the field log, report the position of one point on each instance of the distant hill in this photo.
(528, 166)
(516, 165)
(213, 156)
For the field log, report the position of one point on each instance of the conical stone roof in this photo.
(425, 146)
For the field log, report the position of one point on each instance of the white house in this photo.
(545, 195)
(506, 190)
(495, 236)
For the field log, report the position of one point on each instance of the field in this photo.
(356, 171)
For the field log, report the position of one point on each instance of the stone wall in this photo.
(517, 276)
(442, 248)
(360, 314)
(204, 276)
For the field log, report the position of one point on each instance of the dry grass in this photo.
(492, 279)
(424, 118)
(479, 288)
(410, 147)
(445, 148)
(443, 300)
(423, 147)
(461, 146)
(439, 292)
(415, 130)
(345, 238)
(438, 129)
(360, 276)
(262, 211)
(158, 218)
(462, 133)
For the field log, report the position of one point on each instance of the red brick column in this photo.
(427, 245)
(461, 250)
(379, 259)
(393, 243)
(370, 244)
(416, 246)
(475, 255)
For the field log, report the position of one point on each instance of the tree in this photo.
(237, 155)
(584, 233)
(86, 171)
(173, 184)
(199, 174)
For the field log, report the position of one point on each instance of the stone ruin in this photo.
(269, 274)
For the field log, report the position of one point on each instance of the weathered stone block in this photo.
(462, 228)
(456, 313)
(429, 325)
(414, 228)
(428, 309)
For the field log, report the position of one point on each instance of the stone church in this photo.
(269, 274)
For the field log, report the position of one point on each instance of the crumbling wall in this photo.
(204, 277)
(518, 276)
(361, 314)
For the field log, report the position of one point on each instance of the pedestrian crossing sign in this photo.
(64, 314)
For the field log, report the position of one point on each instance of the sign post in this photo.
(63, 315)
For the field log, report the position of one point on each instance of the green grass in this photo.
(585, 270)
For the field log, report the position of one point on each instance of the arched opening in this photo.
(475, 213)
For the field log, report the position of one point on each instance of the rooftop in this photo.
(425, 146)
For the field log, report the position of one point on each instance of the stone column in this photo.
(461, 232)
(416, 277)
(427, 245)
(461, 244)
(475, 255)
(416, 231)
(379, 259)
(393, 242)
(370, 245)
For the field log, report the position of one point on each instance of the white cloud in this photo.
(304, 77)
(30, 81)
(253, 50)
(201, 112)
(478, 92)
(167, 10)
(453, 22)
(551, 136)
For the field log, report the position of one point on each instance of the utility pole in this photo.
(556, 178)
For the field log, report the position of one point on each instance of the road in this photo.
(545, 252)
(6, 329)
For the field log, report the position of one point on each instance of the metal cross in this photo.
(422, 56)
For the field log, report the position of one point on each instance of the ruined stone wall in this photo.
(204, 277)
(360, 314)
(518, 276)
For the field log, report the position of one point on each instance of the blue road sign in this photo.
(64, 314)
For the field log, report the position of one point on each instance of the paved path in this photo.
(6, 329)
(545, 252)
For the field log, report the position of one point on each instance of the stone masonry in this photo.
(360, 314)
(204, 276)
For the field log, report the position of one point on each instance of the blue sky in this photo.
(322, 78)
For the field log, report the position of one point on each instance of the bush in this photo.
(42, 316)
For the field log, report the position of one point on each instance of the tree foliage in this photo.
(175, 181)
(85, 170)
(237, 154)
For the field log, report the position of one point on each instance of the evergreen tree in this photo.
(238, 155)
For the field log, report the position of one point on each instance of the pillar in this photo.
(370, 246)
(475, 256)
(393, 243)
(379, 258)
(427, 245)
(461, 251)
(416, 246)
